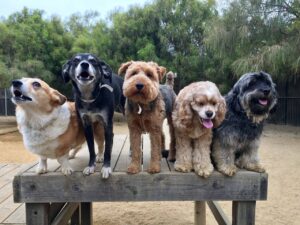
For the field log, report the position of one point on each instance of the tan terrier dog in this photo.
(145, 109)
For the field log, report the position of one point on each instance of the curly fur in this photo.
(198, 108)
(236, 141)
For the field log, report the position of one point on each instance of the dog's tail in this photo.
(170, 77)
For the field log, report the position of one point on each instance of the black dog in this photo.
(97, 93)
(236, 140)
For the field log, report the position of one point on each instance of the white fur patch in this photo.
(89, 170)
(106, 171)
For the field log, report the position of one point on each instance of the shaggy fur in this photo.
(170, 77)
(198, 108)
(236, 141)
(48, 123)
(147, 105)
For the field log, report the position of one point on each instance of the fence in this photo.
(7, 108)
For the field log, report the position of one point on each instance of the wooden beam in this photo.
(87, 213)
(243, 212)
(66, 213)
(218, 213)
(55, 208)
(165, 186)
(75, 219)
(200, 213)
(37, 213)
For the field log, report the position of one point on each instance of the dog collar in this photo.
(101, 86)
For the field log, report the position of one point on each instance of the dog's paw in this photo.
(228, 170)
(255, 167)
(66, 170)
(133, 168)
(89, 170)
(41, 170)
(106, 171)
(99, 158)
(154, 167)
(185, 168)
(204, 170)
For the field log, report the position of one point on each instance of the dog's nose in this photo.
(16, 83)
(84, 65)
(266, 91)
(139, 86)
(209, 114)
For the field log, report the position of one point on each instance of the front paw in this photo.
(154, 167)
(133, 168)
(185, 168)
(89, 170)
(203, 170)
(106, 171)
(41, 170)
(228, 170)
(66, 170)
(255, 167)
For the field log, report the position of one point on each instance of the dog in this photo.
(98, 92)
(47, 122)
(236, 141)
(170, 77)
(147, 105)
(199, 107)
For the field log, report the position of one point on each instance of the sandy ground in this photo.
(279, 151)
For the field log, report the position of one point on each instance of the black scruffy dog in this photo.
(236, 140)
(98, 92)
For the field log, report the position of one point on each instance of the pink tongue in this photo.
(208, 123)
(263, 102)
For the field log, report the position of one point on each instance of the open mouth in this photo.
(18, 96)
(263, 101)
(85, 76)
(207, 123)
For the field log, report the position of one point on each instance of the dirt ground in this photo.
(279, 153)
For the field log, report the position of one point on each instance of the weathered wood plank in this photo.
(124, 158)
(86, 209)
(5, 192)
(75, 219)
(9, 167)
(37, 213)
(7, 207)
(165, 186)
(243, 212)
(218, 213)
(65, 215)
(55, 208)
(17, 217)
(200, 213)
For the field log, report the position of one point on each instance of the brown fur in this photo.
(149, 100)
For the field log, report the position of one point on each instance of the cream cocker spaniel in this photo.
(199, 107)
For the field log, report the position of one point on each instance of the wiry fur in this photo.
(236, 141)
(146, 109)
(170, 77)
(193, 139)
(47, 122)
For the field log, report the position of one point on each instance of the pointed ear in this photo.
(106, 70)
(66, 71)
(123, 68)
(161, 72)
(57, 98)
(220, 114)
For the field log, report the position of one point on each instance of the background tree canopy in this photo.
(192, 38)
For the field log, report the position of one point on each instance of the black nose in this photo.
(139, 86)
(209, 114)
(84, 65)
(266, 91)
(16, 83)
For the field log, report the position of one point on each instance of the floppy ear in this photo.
(106, 70)
(161, 72)
(123, 68)
(220, 114)
(184, 113)
(57, 98)
(66, 71)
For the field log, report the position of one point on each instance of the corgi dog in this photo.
(47, 122)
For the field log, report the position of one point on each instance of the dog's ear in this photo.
(106, 70)
(66, 71)
(57, 98)
(185, 113)
(123, 68)
(161, 72)
(220, 114)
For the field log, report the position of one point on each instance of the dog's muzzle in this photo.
(84, 74)
(17, 93)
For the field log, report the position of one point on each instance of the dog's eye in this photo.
(93, 61)
(200, 103)
(149, 75)
(76, 60)
(36, 84)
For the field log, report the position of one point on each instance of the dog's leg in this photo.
(201, 157)
(172, 149)
(74, 151)
(65, 165)
(135, 144)
(224, 158)
(109, 135)
(249, 159)
(156, 144)
(42, 166)
(99, 137)
(88, 132)
(183, 161)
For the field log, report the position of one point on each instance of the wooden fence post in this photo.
(200, 213)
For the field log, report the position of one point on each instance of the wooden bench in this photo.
(55, 199)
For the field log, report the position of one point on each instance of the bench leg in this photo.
(200, 213)
(75, 219)
(87, 213)
(243, 212)
(37, 213)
